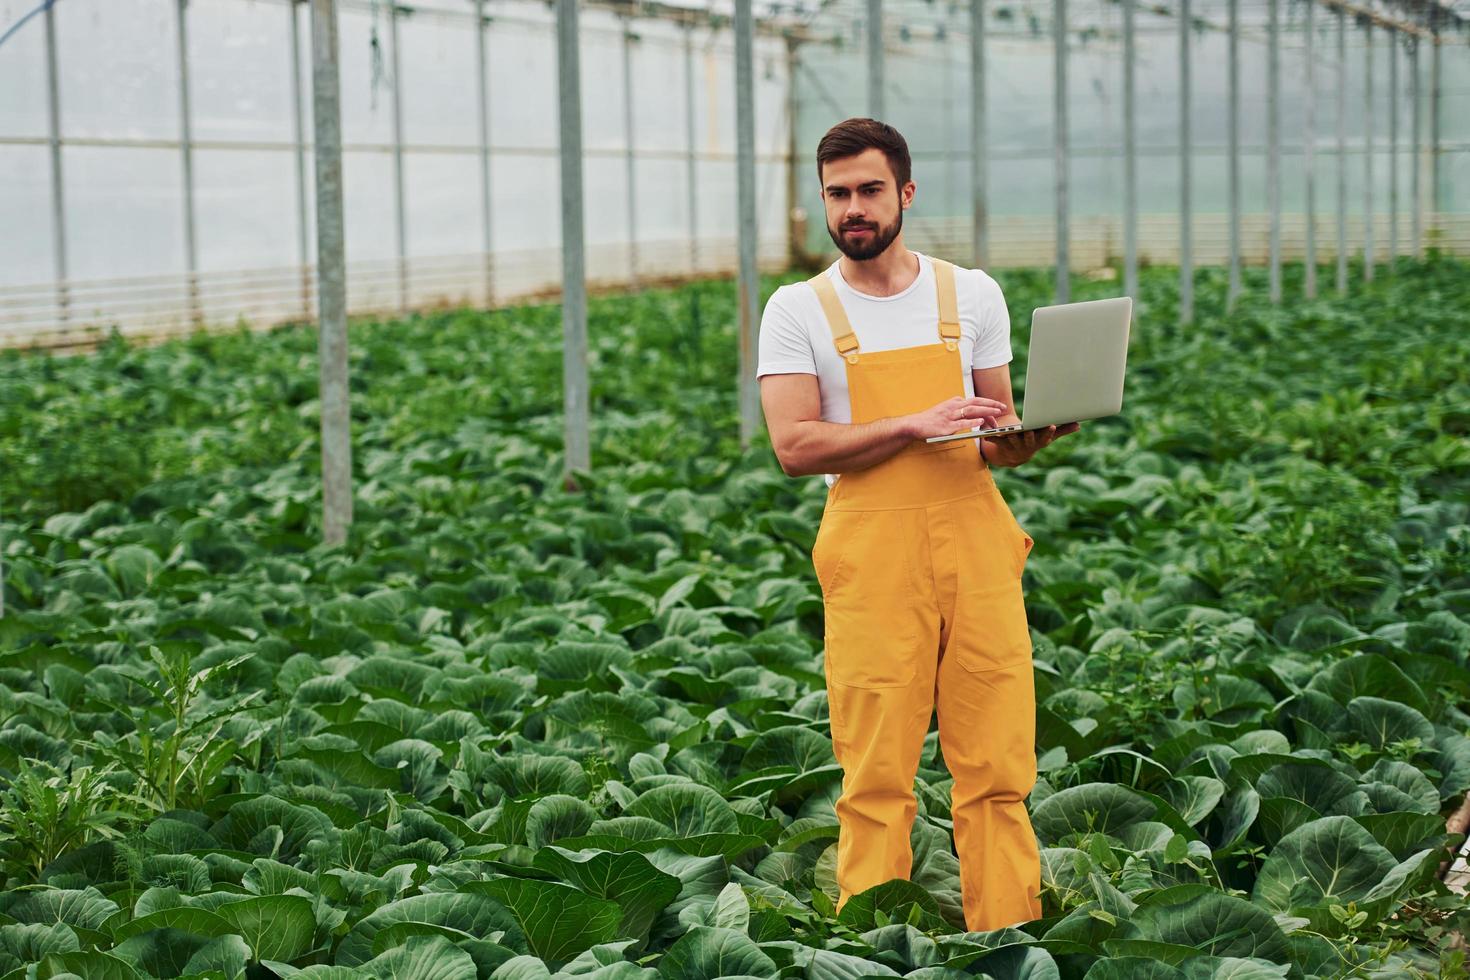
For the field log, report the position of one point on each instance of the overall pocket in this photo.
(871, 624)
(990, 629)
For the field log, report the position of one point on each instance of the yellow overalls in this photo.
(919, 560)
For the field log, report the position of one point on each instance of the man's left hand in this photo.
(1018, 447)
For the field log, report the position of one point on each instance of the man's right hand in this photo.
(954, 414)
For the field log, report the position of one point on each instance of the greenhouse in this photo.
(415, 557)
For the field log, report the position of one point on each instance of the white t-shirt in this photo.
(795, 338)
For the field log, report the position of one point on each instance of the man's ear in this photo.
(906, 198)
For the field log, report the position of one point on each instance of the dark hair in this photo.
(852, 136)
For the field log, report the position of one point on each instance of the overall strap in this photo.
(842, 335)
(949, 312)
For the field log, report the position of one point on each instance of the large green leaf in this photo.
(1104, 807)
(276, 927)
(1328, 860)
(640, 890)
(558, 920)
(687, 809)
(708, 952)
(422, 958)
(468, 912)
(1213, 923)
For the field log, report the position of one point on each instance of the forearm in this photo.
(837, 447)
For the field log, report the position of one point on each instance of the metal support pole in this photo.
(487, 225)
(1368, 152)
(1060, 147)
(1342, 261)
(1186, 267)
(574, 278)
(331, 276)
(1393, 149)
(399, 210)
(58, 187)
(875, 58)
(1436, 127)
(632, 174)
(947, 114)
(979, 162)
(1232, 292)
(298, 119)
(186, 147)
(1309, 156)
(795, 244)
(749, 285)
(1273, 140)
(1416, 158)
(690, 159)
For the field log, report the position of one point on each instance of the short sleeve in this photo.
(785, 347)
(993, 345)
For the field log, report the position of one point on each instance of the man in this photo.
(918, 555)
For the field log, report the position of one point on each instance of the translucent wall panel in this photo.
(527, 198)
(442, 200)
(367, 205)
(118, 68)
(245, 209)
(366, 73)
(125, 213)
(522, 85)
(27, 246)
(23, 71)
(439, 78)
(240, 70)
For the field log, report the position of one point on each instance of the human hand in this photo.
(1015, 448)
(954, 414)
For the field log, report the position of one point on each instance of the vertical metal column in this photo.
(303, 230)
(573, 270)
(487, 226)
(875, 58)
(979, 161)
(58, 188)
(1393, 148)
(1416, 159)
(1232, 290)
(331, 276)
(632, 174)
(947, 112)
(1342, 260)
(400, 212)
(749, 285)
(1309, 155)
(186, 147)
(691, 162)
(1059, 39)
(1436, 128)
(1273, 140)
(1368, 151)
(1186, 263)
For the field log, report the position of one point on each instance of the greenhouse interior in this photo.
(405, 570)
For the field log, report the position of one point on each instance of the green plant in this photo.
(46, 812)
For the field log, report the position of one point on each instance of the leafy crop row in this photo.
(511, 732)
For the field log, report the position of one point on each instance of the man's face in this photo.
(864, 206)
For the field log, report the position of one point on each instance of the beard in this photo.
(874, 246)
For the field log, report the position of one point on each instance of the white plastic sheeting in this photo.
(928, 98)
(123, 189)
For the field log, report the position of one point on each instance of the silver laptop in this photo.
(1074, 365)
